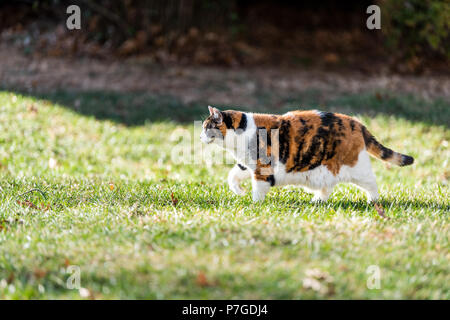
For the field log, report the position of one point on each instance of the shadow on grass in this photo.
(130, 109)
(286, 205)
(60, 201)
(137, 108)
(362, 205)
(408, 107)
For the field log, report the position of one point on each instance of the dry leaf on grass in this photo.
(67, 262)
(202, 281)
(174, 200)
(319, 281)
(380, 210)
(29, 204)
(39, 273)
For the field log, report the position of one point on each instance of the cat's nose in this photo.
(203, 137)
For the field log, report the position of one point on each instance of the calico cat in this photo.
(310, 148)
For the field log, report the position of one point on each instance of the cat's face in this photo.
(213, 127)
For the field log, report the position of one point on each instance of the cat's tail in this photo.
(379, 151)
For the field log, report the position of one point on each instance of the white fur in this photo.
(204, 138)
(235, 177)
(259, 189)
(236, 141)
(320, 180)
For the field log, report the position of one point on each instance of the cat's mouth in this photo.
(205, 138)
(208, 141)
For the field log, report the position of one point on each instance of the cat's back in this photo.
(317, 116)
(320, 121)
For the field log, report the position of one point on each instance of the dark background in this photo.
(330, 34)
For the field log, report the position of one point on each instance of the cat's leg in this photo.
(369, 185)
(263, 177)
(236, 175)
(260, 189)
(362, 175)
(322, 194)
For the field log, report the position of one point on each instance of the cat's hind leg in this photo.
(363, 176)
(236, 175)
(369, 185)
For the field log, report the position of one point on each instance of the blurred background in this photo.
(166, 60)
(93, 118)
(331, 34)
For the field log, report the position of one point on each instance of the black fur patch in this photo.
(328, 119)
(316, 152)
(227, 120)
(271, 179)
(340, 124)
(318, 149)
(243, 122)
(333, 123)
(406, 160)
(368, 138)
(300, 141)
(242, 167)
(352, 125)
(386, 153)
(320, 141)
(332, 152)
(284, 140)
(307, 156)
(304, 130)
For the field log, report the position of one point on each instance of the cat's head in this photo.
(214, 128)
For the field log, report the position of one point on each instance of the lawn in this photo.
(119, 211)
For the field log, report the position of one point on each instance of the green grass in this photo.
(130, 241)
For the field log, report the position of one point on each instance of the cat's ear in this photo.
(217, 115)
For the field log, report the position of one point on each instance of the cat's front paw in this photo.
(258, 196)
(237, 190)
(318, 199)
